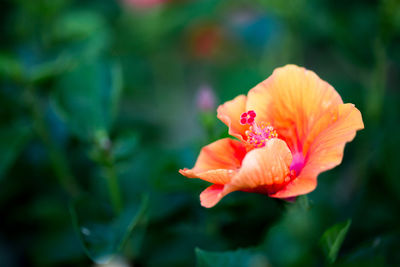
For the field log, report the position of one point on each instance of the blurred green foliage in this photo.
(98, 112)
(333, 238)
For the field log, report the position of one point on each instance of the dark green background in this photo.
(97, 96)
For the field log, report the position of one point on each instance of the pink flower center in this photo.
(297, 163)
(257, 134)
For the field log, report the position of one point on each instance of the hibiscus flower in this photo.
(289, 129)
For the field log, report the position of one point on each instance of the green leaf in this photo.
(10, 67)
(78, 24)
(125, 145)
(333, 238)
(12, 141)
(50, 68)
(102, 234)
(239, 258)
(81, 34)
(87, 98)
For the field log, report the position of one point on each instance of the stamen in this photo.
(257, 135)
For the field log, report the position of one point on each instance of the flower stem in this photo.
(102, 153)
(113, 187)
(57, 158)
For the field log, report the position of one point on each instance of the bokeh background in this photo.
(101, 102)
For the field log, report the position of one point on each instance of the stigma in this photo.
(257, 134)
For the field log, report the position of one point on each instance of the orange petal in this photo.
(265, 167)
(299, 186)
(292, 99)
(212, 195)
(263, 170)
(230, 112)
(218, 161)
(326, 150)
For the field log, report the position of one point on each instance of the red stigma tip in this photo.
(247, 117)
